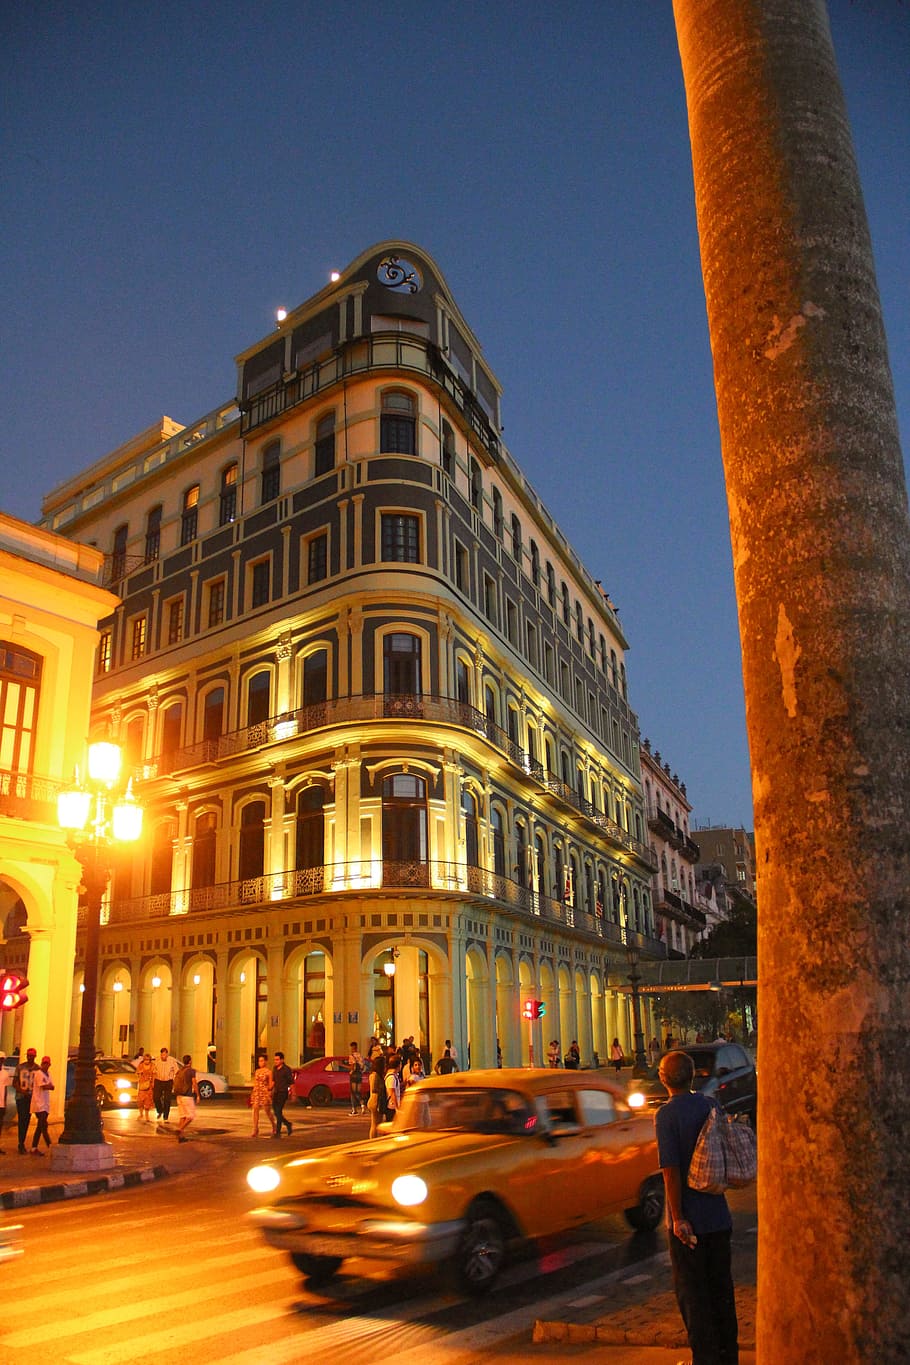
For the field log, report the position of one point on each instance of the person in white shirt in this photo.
(42, 1085)
(166, 1068)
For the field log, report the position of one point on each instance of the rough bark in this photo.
(821, 550)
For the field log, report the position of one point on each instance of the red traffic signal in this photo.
(534, 1009)
(12, 990)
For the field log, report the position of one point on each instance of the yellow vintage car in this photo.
(472, 1163)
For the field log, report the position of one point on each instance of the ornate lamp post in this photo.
(99, 814)
(641, 1061)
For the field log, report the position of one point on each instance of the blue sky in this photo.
(175, 173)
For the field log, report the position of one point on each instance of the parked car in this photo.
(323, 1080)
(472, 1163)
(210, 1084)
(725, 1071)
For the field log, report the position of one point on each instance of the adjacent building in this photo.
(376, 707)
(679, 916)
(728, 855)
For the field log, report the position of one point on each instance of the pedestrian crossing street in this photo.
(142, 1276)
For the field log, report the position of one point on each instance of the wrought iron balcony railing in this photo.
(26, 797)
(390, 706)
(373, 878)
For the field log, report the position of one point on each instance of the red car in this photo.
(325, 1079)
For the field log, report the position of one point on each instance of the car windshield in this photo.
(470, 1111)
(703, 1061)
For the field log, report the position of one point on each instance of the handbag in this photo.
(725, 1155)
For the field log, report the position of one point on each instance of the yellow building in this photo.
(51, 600)
(376, 705)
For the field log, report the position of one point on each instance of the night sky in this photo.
(174, 173)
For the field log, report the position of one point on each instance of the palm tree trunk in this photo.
(821, 551)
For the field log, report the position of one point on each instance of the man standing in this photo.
(282, 1080)
(166, 1068)
(23, 1080)
(699, 1224)
(41, 1103)
(186, 1090)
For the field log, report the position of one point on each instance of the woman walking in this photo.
(261, 1097)
(617, 1056)
(145, 1068)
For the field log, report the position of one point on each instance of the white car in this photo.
(211, 1084)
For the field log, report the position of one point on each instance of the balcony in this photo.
(394, 706)
(690, 850)
(676, 907)
(661, 822)
(379, 351)
(26, 797)
(375, 877)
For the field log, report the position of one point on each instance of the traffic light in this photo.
(12, 990)
(534, 1009)
(541, 1008)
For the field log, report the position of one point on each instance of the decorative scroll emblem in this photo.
(399, 275)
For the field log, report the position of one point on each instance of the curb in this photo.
(77, 1189)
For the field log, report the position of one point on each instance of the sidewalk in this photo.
(140, 1155)
(645, 1328)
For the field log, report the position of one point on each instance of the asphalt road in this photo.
(172, 1269)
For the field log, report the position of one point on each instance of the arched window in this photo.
(471, 840)
(134, 745)
(497, 513)
(404, 830)
(447, 450)
(401, 665)
(566, 605)
(189, 516)
(324, 453)
(270, 476)
(462, 682)
(205, 835)
(499, 842)
(213, 714)
(316, 677)
(579, 623)
(551, 584)
(476, 485)
(521, 853)
(539, 869)
(153, 534)
(535, 564)
(516, 539)
(258, 698)
(397, 424)
(251, 849)
(310, 833)
(227, 503)
(171, 730)
(20, 683)
(590, 889)
(162, 859)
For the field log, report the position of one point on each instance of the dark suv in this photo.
(725, 1071)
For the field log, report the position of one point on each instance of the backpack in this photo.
(183, 1081)
(725, 1155)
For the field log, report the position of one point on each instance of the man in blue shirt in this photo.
(699, 1224)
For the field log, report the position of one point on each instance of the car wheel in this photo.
(101, 1096)
(206, 1090)
(317, 1269)
(321, 1095)
(649, 1210)
(481, 1250)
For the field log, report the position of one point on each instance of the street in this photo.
(140, 1274)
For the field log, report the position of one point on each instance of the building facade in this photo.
(731, 850)
(51, 600)
(679, 915)
(376, 706)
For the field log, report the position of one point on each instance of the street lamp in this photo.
(98, 814)
(641, 1061)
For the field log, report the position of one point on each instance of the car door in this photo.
(620, 1151)
(555, 1198)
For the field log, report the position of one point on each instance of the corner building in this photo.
(376, 706)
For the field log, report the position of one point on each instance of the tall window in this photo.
(258, 699)
(317, 558)
(189, 517)
(213, 714)
(251, 848)
(566, 606)
(105, 651)
(499, 842)
(462, 570)
(162, 860)
(489, 599)
(551, 584)
(310, 833)
(400, 538)
(447, 450)
(205, 834)
(497, 513)
(20, 683)
(579, 623)
(227, 507)
(134, 747)
(175, 621)
(137, 638)
(401, 665)
(171, 730)
(471, 841)
(521, 853)
(404, 819)
(462, 682)
(270, 479)
(261, 583)
(516, 539)
(397, 424)
(476, 485)
(535, 564)
(216, 602)
(118, 554)
(153, 535)
(315, 677)
(325, 445)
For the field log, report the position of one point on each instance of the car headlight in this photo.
(122, 1084)
(124, 1097)
(409, 1190)
(636, 1100)
(263, 1179)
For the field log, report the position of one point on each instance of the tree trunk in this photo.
(821, 551)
